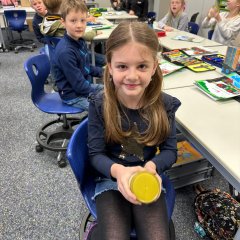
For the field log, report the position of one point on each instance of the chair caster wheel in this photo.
(38, 148)
(62, 163)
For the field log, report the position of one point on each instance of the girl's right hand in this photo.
(168, 28)
(123, 175)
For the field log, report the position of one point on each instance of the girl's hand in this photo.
(151, 167)
(99, 32)
(213, 13)
(131, 12)
(168, 28)
(123, 175)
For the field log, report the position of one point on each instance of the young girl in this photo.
(227, 24)
(126, 125)
(175, 18)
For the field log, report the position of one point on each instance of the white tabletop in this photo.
(170, 43)
(186, 77)
(27, 9)
(118, 15)
(215, 126)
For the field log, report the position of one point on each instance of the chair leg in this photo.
(87, 218)
(61, 158)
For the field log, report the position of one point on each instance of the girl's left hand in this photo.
(151, 167)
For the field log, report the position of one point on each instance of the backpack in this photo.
(218, 213)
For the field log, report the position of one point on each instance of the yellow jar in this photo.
(145, 186)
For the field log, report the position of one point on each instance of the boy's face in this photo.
(75, 24)
(39, 7)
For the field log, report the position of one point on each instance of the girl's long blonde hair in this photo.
(153, 111)
(170, 14)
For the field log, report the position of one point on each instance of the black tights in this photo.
(116, 215)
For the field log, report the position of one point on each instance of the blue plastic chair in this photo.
(55, 134)
(193, 27)
(77, 154)
(52, 43)
(210, 33)
(15, 20)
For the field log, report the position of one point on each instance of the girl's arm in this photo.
(168, 151)
(96, 141)
(162, 22)
(183, 22)
(231, 29)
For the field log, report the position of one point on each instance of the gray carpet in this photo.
(38, 200)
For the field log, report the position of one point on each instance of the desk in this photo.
(118, 16)
(213, 127)
(170, 43)
(186, 78)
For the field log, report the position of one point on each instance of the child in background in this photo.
(127, 123)
(138, 8)
(118, 5)
(227, 24)
(71, 64)
(41, 11)
(175, 18)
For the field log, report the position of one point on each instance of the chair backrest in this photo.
(193, 27)
(210, 33)
(194, 17)
(15, 19)
(37, 69)
(52, 43)
(77, 154)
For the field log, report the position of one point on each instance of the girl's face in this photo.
(75, 24)
(132, 67)
(233, 4)
(176, 6)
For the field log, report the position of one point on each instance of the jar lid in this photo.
(145, 186)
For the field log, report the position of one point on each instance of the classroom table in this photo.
(185, 78)
(169, 43)
(118, 16)
(213, 128)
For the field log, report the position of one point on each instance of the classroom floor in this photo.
(38, 200)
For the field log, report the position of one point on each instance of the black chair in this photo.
(15, 21)
(55, 134)
(210, 33)
(194, 17)
(193, 28)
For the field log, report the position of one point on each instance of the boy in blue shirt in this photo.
(71, 64)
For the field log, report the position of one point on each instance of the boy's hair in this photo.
(153, 111)
(76, 5)
(52, 6)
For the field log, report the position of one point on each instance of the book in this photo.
(187, 38)
(186, 153)
(179, 58)
(195, 51)
(221, 88)
(168, 67)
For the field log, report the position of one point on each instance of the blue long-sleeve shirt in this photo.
(103, 155)
(72, 69)
(37, 20)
